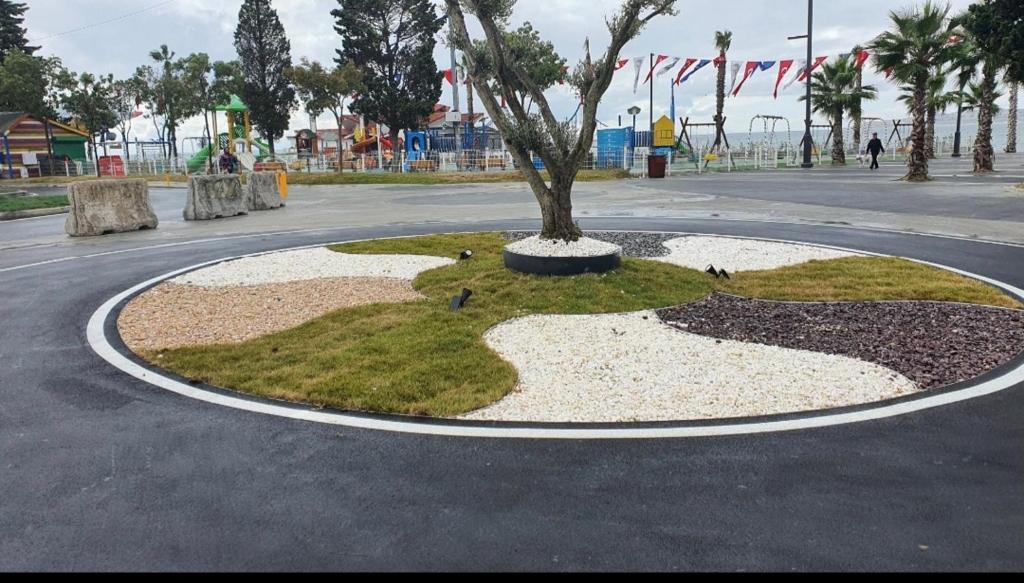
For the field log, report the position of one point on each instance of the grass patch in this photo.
(419, 358)
(24, 203)
(865, 279)
(432, 178)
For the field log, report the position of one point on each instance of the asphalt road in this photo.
(101, 471)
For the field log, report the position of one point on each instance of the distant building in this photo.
(24, 151)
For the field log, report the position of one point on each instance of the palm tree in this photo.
(917, 43)
(834, 93)
(1011, 118)
(857, 113)
(723, 42)
(981, 23)
(974, 97)
(938, 100)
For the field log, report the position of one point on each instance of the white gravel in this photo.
(537, 247)
(735, 255)
(308, 264)
(631, 367)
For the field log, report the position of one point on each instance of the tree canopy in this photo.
(393, 43)
(12, 30)
(31, 84)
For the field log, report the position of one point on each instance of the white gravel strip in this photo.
(735, 255)
(631, 367)
(308, 264)
(537, 247)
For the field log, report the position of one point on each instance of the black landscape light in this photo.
(459, 302)
(711, 271)
(725, 274)
(467, 254)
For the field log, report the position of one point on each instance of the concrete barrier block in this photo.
(100, 207)
(263, 193)
(215, 197)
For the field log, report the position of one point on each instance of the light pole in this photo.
(959, 120)
(808, 138)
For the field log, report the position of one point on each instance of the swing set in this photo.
(691, 131)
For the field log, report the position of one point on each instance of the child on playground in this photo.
(228, 163)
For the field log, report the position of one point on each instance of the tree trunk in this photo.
(929, 136)
(719, 104)
(469, 109)
(917, 165)
(273, 155)
(1011, 120)
(984, 155)
(209, 142)
(838, 145)
(341, 151)
(858, 112)
(556, 211)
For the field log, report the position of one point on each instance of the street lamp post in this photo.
(959, 119)
(808, 138)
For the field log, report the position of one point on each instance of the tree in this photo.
(917, 43)
(393, 41)
(30, 84)
(982, 23)
(167, 95)
(723, 42)
(89, 102)
(857, 113)
(834, 93)
(322, 90)
(12, 33)
(937, 100)
(209, 84)
(562, 146)
(125, 97)
(265, 54)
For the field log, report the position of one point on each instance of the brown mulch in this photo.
(175, 316)
(934, 344)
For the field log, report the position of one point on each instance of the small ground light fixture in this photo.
(467, 254)
(459, 302)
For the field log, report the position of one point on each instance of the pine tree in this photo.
(265, 54)
(393, 42)
(12, 32)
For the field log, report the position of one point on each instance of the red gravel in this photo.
(934, 344)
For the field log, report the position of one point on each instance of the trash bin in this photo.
(656, 166)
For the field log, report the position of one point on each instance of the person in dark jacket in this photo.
(228, 163)
(875, 148)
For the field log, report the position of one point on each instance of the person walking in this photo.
(875, 148)
(228, 162)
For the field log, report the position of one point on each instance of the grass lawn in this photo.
(24, 203)
(421, 359)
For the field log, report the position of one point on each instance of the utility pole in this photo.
(959, 120)
(808, 138)
(651, 110)
(455, 107)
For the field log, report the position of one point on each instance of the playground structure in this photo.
(702, 150)
(238, 139)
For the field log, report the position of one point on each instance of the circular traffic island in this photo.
(634, 329)
(547, 257)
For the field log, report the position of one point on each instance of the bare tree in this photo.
(562, 146)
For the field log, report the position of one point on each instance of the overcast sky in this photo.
(760, 30)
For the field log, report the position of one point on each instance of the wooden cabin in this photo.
(24, 152)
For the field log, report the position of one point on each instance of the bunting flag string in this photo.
(784, 67)
(657, 62)
(735, 73)
(682, 71)
(638, 63)
(806, 72)
(862, 57)
(703, 63)
(668, 68)
(799, 72)
(748, 71)
(621, 64)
